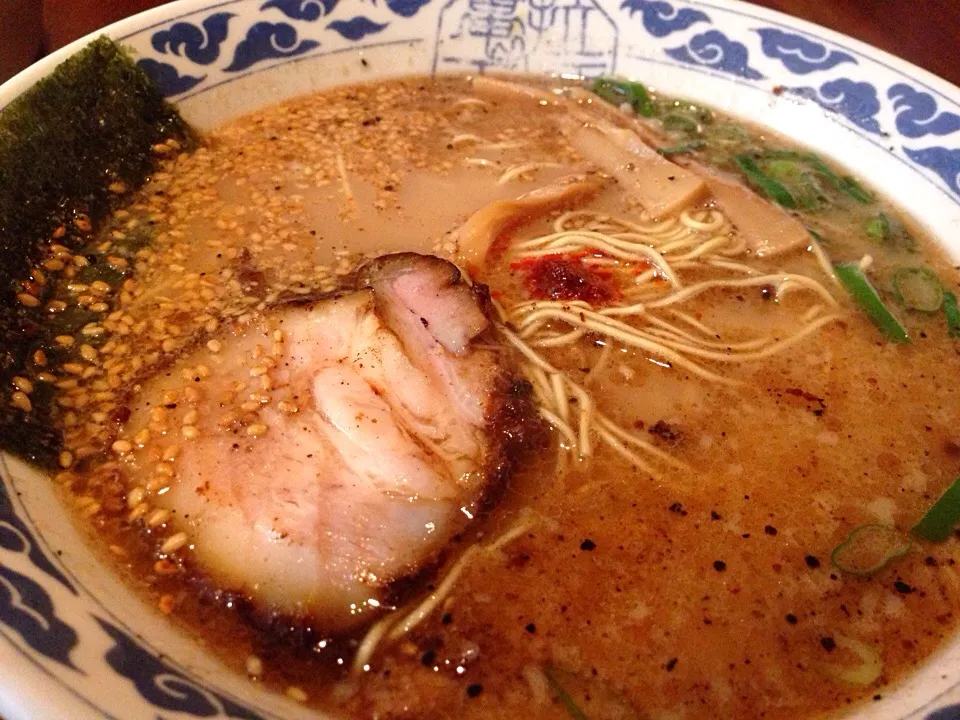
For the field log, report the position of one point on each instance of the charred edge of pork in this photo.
(92, 124)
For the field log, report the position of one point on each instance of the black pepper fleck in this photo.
(902, 587)
(530, 628)
(828, 644)
(812, 562)
(588, 545)
(719, 565)
(791, 618)
(474, 690)
(671, 664)
(770, 530)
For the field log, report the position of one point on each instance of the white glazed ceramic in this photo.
(74, 641)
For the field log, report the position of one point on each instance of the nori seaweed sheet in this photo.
(92, 122)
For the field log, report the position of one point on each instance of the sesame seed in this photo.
(135, 497)
(28, 300)
(174, 543)
(66, 459)
(190, 432)
(142, 438)
(254, 666)
(257, 430)
(214, 346)
(138, 512)
(88, 353)
(296, 694)
(39, 358)
(21, 383)
(158, 517)
(64, 340)
(166, 604)
(122, 446)
(21, 401)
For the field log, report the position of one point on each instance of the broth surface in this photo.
(695, 593)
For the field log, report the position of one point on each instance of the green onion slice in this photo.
(942, 518)
(878, 227)
(869, 548)
(952, 311)
(624, 91)
(860, 289)
(684, 148)
(918, 289)
(773, 189)
(845, 184)
(573, 710)
(866, 673)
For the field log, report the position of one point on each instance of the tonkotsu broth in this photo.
(684, 593)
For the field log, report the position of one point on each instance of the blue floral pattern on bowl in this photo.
(45, 614)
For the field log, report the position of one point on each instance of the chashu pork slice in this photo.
(388, 414)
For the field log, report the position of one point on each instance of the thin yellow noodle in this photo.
(775, 280)
(743, 346)
(599, 365)
(703, 249)
(618, 431)
(630, 336)
(368, 646)
(560, 397)
(717, 221)
(693, 322)
(518, 170)
(823, 260)
(677, 332)
(465, 139)
(586, 416)
(558, 340)
(735, 266)
(417, 616)
(482, 162)
(619, 447)
(344, 181)
(561, 427)
(471, 101)
(772, 349)
(811, 313)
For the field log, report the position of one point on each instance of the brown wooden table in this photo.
(926, 32)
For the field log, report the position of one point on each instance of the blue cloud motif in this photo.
(799, 54)
(949, 712)
(856, 101)
(16, 537)
(716, 51)
(661, 18)
(356, 28)
(309, 10)
(162, 685)
(26, 608)
(406, 8)
(201, 46)
(943, 161)
(266, 41)
(169, 81)
(917, 113)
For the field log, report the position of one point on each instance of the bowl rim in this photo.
(178, 9)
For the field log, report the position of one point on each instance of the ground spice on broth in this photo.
(704, 592)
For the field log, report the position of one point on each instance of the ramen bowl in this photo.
(75, 641)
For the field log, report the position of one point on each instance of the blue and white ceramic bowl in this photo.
(74, 641)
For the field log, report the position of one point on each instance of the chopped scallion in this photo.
(573, 710)
(940, 520)
(863, 292)
(679, 123)
(952, 311)
(869, 548)
(625, 91)
(766, 184)
(918, 289)
(684, 148)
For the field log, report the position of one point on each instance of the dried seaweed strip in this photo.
(72, 148)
